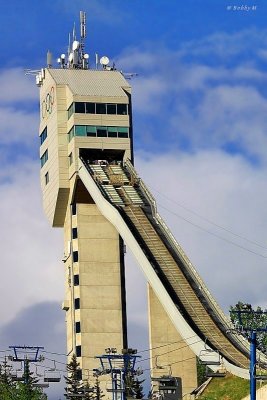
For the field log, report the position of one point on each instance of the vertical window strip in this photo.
(43, 135)
(44, 158)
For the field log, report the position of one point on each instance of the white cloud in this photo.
(97, 9)
(18, 126)
(230, 192)
(16, 86)
(226, 114)
(205, 105)
(31, 249)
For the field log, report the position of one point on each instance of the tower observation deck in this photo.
(92, 190)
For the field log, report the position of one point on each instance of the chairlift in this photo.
(260, 377)
(19, 375)
(214, 374)
(156, 364)
(52, 375)
(36, 372)
(209, 357)
(41, 385)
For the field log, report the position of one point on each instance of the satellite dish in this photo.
(104, 60)
(86, 56)
(63, 56)
(75, 45)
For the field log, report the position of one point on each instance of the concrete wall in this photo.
(170, 355)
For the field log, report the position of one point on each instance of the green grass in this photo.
(228, 388)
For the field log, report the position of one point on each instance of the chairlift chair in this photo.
(41, 385)
(19, 375)
(206, 357)
(52, 375)
(216, 374)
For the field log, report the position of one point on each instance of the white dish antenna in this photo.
(75, 45)
(104, 61)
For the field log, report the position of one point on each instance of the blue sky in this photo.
(200, 128)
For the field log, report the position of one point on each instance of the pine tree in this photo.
(252, 319)
(26, 390)
(98, 393)
(133, 386)
(73, 380)
(10, 390)
(7, 387)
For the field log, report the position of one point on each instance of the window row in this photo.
(43, 135)
(99, 131)
(44, 158)
(97, 108)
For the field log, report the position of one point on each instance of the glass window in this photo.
(44, 158)
(80, 130)
(80, 108)
(74, 233)
(122, 109)
(90, 108)
(77, 327)
(101, 108)
(71, 133)
(73, 209)
(91, 130)
(43, 135)
(77, 303)
(76, 280)
(75, 256)
(70, 158)
(46, 178)
(101, 131)
(111, 109)
(78, 351)
(122, 132)
(70, 110)
(112, 131)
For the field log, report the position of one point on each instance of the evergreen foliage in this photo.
(11, 390)
(73, 380)
(98, 393)
(133, 386)
(75, 386)
(253, 319)
(201, 372)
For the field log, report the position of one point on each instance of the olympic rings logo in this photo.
(47, 103)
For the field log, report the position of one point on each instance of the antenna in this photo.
(83, 30)
(76, 57)
(104, 61)
(74, 33)
(49, 59)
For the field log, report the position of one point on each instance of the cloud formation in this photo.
(192, 103)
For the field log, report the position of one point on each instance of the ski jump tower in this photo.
(91, 189)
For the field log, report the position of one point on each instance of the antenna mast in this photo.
(83, 30)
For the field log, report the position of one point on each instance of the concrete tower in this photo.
(86, 113)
